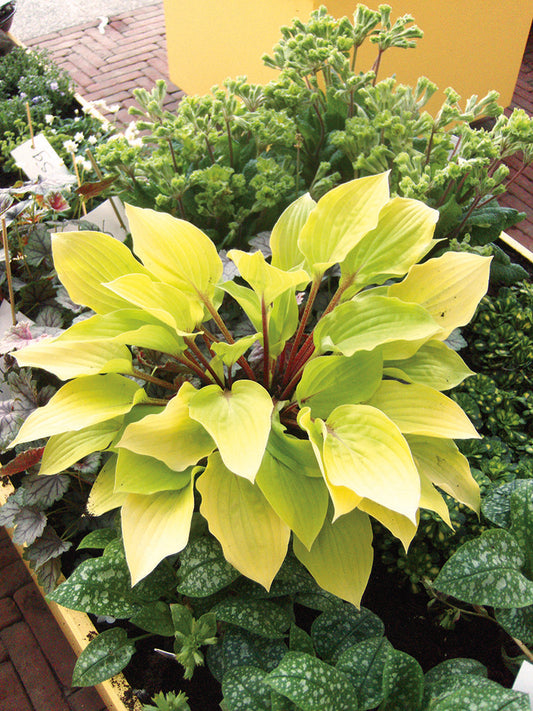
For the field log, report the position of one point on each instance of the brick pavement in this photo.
(36, 661)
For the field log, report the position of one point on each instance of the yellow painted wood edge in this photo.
(514, 244)
(116, 693)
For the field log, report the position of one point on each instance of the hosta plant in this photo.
(323, 409)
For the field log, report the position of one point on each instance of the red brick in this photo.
(86, 700)
(13, 577)
(8, 552)
(47, 632)
(3, 653)
(9, 612)
(12, 696)
(32, 668)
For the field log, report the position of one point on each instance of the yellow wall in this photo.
(472, 45)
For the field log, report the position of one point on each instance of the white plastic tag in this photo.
(524, 680)
(39, 160)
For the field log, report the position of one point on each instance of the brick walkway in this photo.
(36, 661)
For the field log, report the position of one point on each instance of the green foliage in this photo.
(104, 656)
(168, 702)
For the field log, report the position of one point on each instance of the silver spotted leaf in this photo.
(496, 505)
(244, 689)
(155, 617)
(262, 617)
(203, 569)
(403, 683)
(475, 693)
(486, 571)
(518, 622)
(312, 684)
(334, 632)
(105, 655)
(239, 648)
(364, 665)
(522, 523)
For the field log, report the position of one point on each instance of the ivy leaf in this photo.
(29, 525)
(486, 571)
(312, 684)
(203, 569)
(244, 688)
(47, 546)
(45, 490)
(335, 632)
(261, 617)
(105, 655)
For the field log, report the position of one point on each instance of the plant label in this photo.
(105, 217)
(524, 680)
(40, 160)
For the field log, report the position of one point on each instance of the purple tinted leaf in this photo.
(46, 547)
(29, 523)
(49, 316)
(261, 243)
(10, 509)
(44, 490)
(11, 418)
(48, 575)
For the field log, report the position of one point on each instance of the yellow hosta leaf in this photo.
(239, 422)
(283, 322)
(365, 452)
(63, 450)
(231, 352)
(299, 499)
(400, 526)
(81, 403)
(84, 261)
(253, 537)
(171, 435)
(131, 327)
(370, 321)
(431, 499)
(340, 219)
(70, 359)
(404, 233)
(340, 559)
(102, 497)
(176, 251)
(247, 299)
(138, 474)
(444, 465)
(448, 287)
(284, 237)
(154, 527)
(168, 304)
(419, 409)
(434, 364)
(330, 381)
(267, 281)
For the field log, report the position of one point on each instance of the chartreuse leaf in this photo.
(369, 321)
(267, 281)
(363, 664)
(171, 435)
(105, 655)
(282, 322)
(336, 631)
(340, 219)
(99, 538)
(154, 527)
(253, 537)
(403, 683)
(81, 403)
(173, 307)
(340, 559)
(522, 523)
(443, 464)
(130, 326)
(400, 526)
(203, 569)
(434, 364)
(239, 422)
(262, 617)
(300, 500)
(139, 474)
(330, 381)
(244, 688)
(312, 684)
(486, 571)
(402, 236)
(63, 450)
(69, 360)
(284, 237)
(102, 497)
(365, 451)
(431, 499)
(84, 261)
(448, 287)
(231, 352)
(421, 410)
(177, 252)
(247, 299)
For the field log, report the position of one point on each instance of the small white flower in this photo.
(113, 108)
(70, 146)
(82, 162)
(79, 137)
(92, 140)
(49, 118)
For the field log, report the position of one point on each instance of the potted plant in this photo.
(7, 11)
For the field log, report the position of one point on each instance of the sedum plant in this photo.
(296, 425)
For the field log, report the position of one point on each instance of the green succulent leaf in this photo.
(487, 571)
(105, 655)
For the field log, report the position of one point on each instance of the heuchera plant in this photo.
(304, 427)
